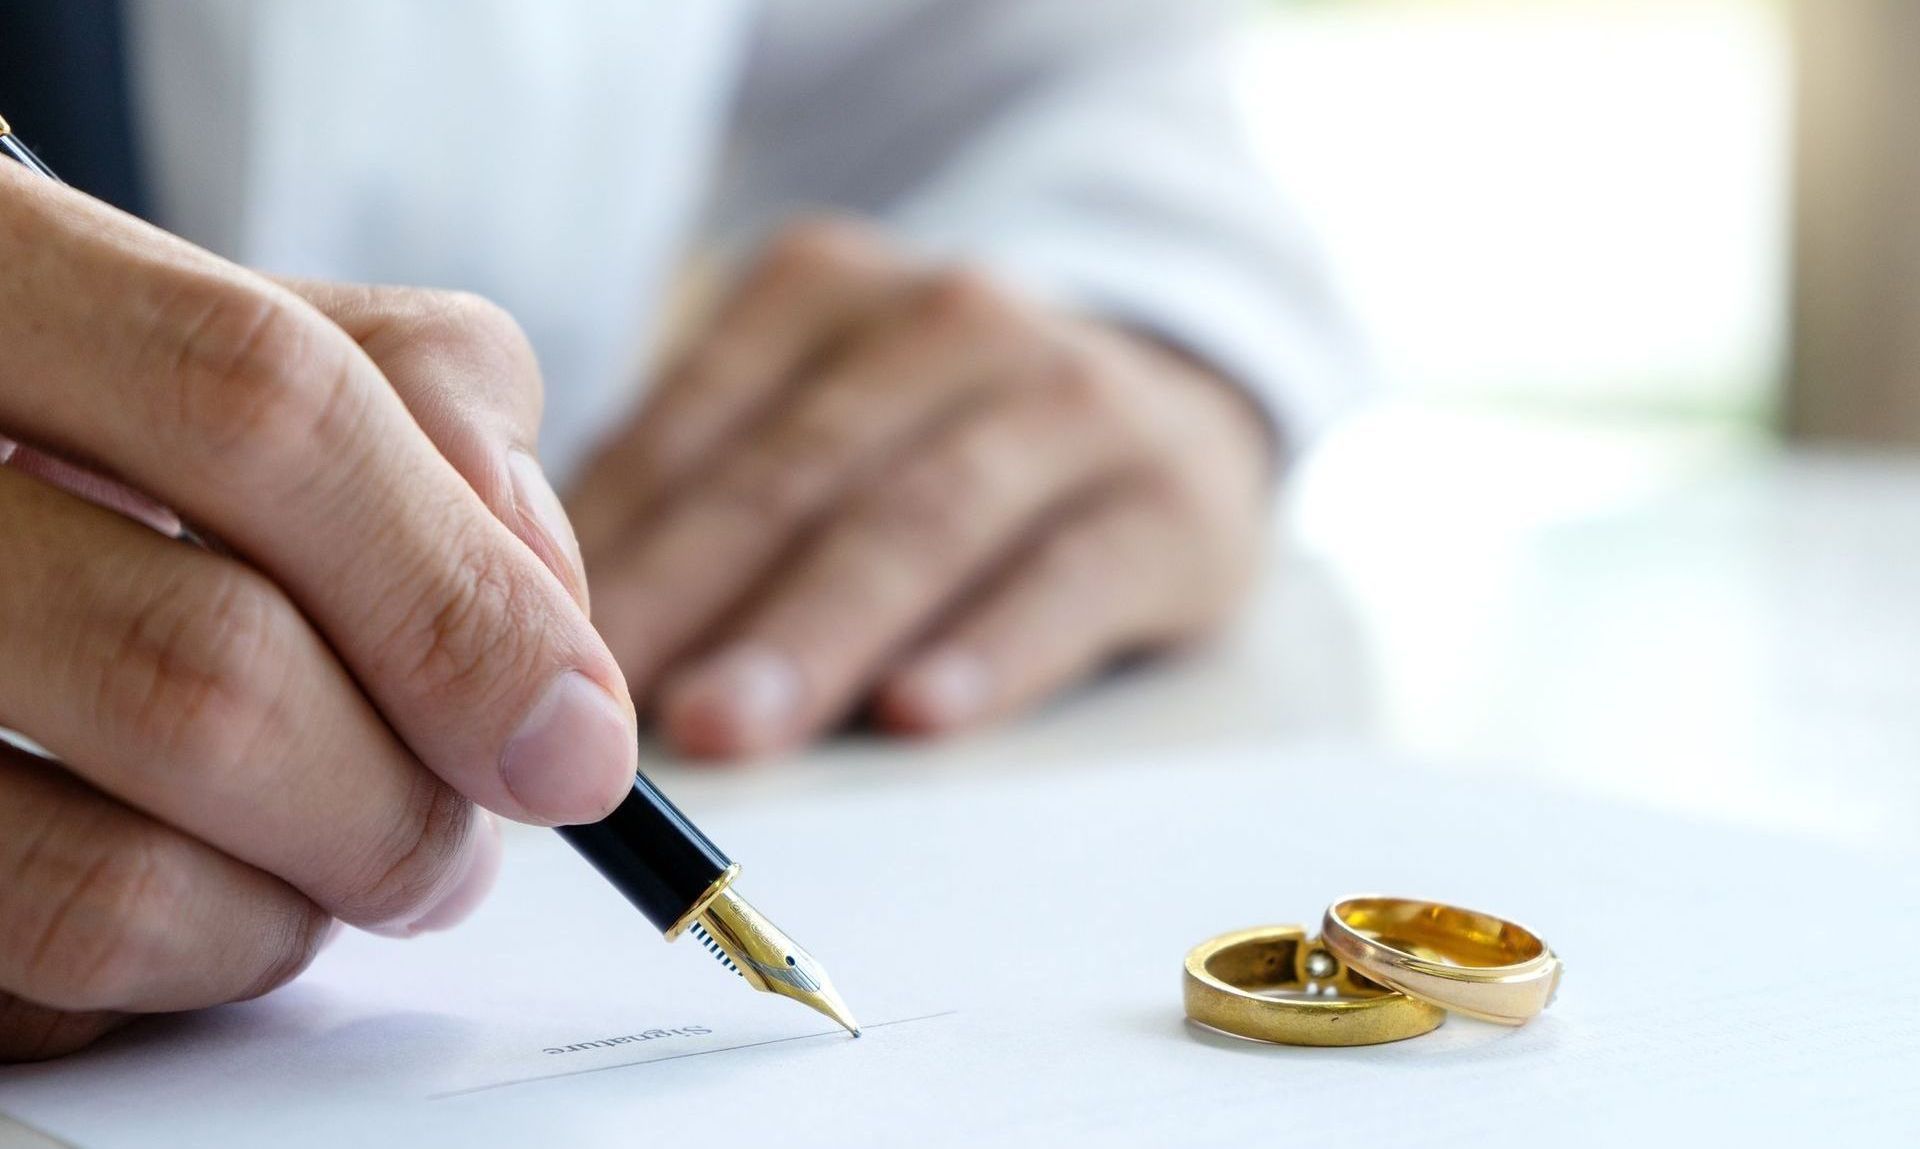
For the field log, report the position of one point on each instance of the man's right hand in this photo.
(251, 746)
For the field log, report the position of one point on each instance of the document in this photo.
(1013, 946)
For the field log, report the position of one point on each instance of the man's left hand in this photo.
(875, 483)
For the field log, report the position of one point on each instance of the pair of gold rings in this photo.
(1382, 969)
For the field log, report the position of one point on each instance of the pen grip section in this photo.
(652, 854)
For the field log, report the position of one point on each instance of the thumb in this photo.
(468, 375)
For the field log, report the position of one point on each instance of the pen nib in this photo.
(829, 1003)
(768, 959)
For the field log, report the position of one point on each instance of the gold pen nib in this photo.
(753, 947)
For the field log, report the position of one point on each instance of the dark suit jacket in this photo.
(64, 88)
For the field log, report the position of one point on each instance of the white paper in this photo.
(1014, 946)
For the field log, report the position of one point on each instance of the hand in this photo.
(249, 748)
(871, 481)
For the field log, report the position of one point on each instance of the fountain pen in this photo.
(663, 864)
(682, 883)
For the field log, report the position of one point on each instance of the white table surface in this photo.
(1690, 621)
(1682, 621)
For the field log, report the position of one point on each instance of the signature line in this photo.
(677, 1057)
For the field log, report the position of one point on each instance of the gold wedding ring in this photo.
(1270, 984)
(1465, 961)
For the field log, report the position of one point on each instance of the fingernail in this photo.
(575, 754)
(544, 525)
(479, 869)
(942, 691)
(741, 701)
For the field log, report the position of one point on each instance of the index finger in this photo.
(234, 401)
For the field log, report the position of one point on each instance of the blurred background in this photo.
(1642, 280)
(1573, 209)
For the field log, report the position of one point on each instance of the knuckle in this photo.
(965, 302)
(1169, 489)
(412, 860)
(196, 672)
(470, 317)
(109, 917)
(1079, 385)
(466, 631)
(487, 364)
(477, 332)
(254, 375)
(807, 245)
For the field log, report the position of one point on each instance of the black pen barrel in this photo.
(652, 854)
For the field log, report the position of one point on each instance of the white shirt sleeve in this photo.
(1089, 149)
